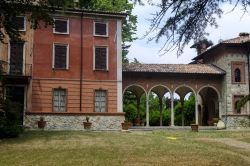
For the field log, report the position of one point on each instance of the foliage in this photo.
(12, 8)
(130, 112)
(10, 121)
(181, 21)
(242, 102)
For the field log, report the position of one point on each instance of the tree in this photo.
(9, 9)
(180, 21)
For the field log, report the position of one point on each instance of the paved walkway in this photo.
(230, 141)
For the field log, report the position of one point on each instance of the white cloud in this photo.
(230, 25)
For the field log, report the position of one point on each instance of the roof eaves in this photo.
(92, 12)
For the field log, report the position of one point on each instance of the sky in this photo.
(230, 25)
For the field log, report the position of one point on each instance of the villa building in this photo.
(74, 70)
(67, 72)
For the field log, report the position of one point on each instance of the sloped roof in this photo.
(174, 68)
(241, 39)
(238, 40)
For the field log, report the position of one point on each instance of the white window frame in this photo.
(53, 56)
(65, 104)
(107, 58)
(107, 28)
(61, 19)
(24, 20)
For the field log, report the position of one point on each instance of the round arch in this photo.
(212, 87)
(184, 86)
(135, 85)
(211, 108)
(160, 85)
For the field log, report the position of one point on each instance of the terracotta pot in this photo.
(126, 125)
(194, 127)
(41, 124)
(87, 125)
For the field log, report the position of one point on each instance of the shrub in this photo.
(10, 123)
(130, 112)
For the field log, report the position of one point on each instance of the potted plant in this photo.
(87, 124)
(126, 125)
(41, 123)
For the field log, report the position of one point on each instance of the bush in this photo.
(154, 118)
(10, 124)
(130, 112)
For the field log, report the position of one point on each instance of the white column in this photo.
(172, 109)
(119, 66)
(196, 111)
(147, 110)
(220, 109)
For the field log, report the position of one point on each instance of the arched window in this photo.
(237, 75)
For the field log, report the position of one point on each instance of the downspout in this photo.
(81, 42)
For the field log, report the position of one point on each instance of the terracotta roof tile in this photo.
(238, 40)
(174, 68)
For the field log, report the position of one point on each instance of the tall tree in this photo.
(9, 9)
(180, 21)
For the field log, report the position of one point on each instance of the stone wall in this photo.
(74, 122)
(223, 59)
(234, 121)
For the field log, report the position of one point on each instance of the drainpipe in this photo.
(81, 42)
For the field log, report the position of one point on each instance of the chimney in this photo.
(201, 46)
(243, 34)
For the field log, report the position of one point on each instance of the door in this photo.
(16, 95)
(16, 58)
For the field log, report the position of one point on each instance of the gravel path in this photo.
(230, 142)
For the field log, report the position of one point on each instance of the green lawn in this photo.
(125, 148)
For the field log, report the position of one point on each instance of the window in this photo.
(61, 26)
(16, 58)
(59, 100)
(20, 23)
(237, 77)
(236, 99)
(238, 72)
(100, 100)
(60, 57)
(101, 58)
(100, 29)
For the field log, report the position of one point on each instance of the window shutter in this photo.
(60, 61)
(100, 29)
(59, 100)
(16, 58)
(61, 26)
(100, 101)
(101, 58)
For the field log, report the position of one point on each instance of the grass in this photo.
(123, 148)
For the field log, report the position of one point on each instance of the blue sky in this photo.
(230, 25)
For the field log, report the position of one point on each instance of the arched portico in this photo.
(183, 91)
(173, 79)
(210, 105)
(138, 91)
(160, 90)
